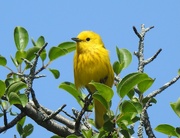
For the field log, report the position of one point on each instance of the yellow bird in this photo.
(91, 62)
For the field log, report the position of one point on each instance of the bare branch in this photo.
(50, 125)
(70, 124)
(153, 57)
(165, 86)
(144, 119)
(52, 115)
(13, 122)
(87, 102)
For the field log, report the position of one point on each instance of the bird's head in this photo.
(88, 40)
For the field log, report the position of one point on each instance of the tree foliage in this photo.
(17, 88)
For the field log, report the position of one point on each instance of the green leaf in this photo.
(19, 56)
(28, 129)
(146, 99)
(128, 107)
(23, 99)
(14, 61)
(138, 106)
(146, 84)
(5, 105)
(72, 136)
(166, 129)
(178, 131)
(105, 91)
(69, 46)
(14, 98)
(3, 61)
(176, 106)
(130, 94)
(15, 87)
(19, 128)
(2, 88)
(87, 133)
(124, 56)
(128, 113)
(70, 88)
(61, 50)
(31, 53)
(55, 72)
(56, 52)
(56, 136)
(22, 121)
(21, 38)
(43, 55)
(129, 82)
(179, 71)
(101, 99)
(40, 42)
(117, 67)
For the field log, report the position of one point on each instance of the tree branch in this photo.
(50, 125)
(13, 122)
(144, 119)
(165, 86)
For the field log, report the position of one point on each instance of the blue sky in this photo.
(59, 21)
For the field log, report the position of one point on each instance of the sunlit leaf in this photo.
(14, 98)
(105, 91)
(72, 136)
(14, 61)
(146, 84)
(70, 88)
(176, 106)
(69, 46)
(55, 73)
(21, 38)
(128, 107)
(56, 52)
(124, 56)
(19, 56)
(2, 88)
(56, 136)
(61, 50)
(117, 67)
(166, 129)
(15, 87)
(28, 129)
(43, 55)
(100, 98)
(22, 121)
(5, 105)
(24, 99)
(3, 61)
(40, 42)
(31, 53)
(129, 82)
(87, 133)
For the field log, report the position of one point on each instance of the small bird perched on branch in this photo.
(92, 63)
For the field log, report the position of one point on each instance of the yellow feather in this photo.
(91, 62)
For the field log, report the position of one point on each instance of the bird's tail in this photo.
(99, 114)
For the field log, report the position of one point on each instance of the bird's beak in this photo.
(76, 39)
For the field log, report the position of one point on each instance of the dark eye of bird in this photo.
(88, 39)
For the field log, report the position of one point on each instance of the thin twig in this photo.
(13, 122)
(88, 101)
(52, 115)
(165, 86)
(144, 119)
(147, 61)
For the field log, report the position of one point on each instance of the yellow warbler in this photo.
(91, 62)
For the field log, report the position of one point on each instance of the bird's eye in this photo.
(88, 39)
